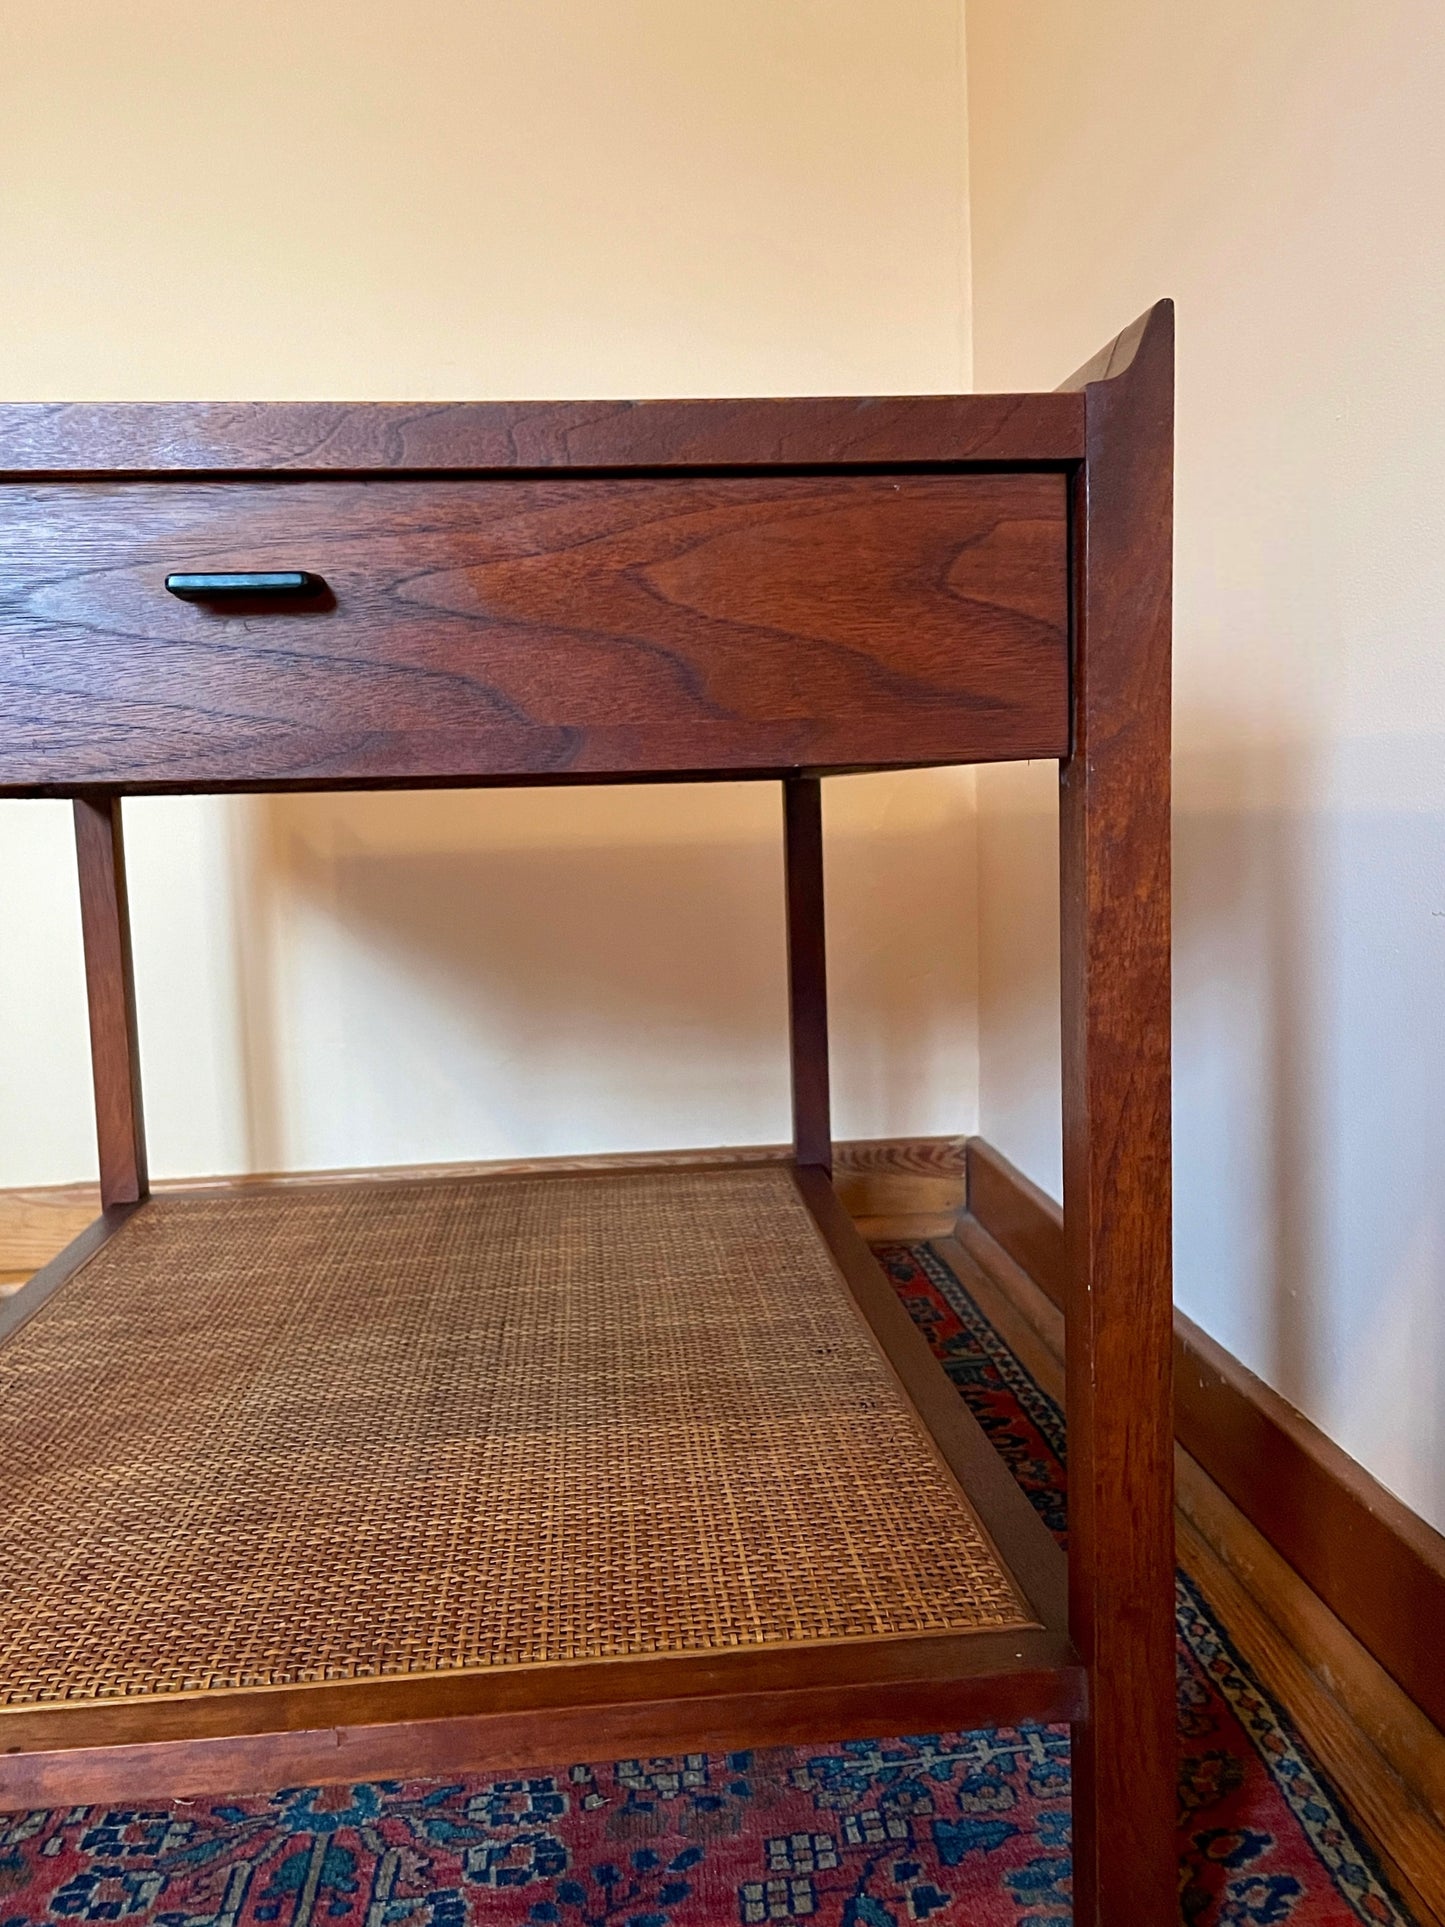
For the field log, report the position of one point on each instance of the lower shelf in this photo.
(329, 1481)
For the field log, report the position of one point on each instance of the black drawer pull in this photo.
(287, 584)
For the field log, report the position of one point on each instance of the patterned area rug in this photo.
(956, 1828)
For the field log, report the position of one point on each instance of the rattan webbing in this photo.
(333, 1432)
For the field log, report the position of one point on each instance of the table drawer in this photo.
(529, 629)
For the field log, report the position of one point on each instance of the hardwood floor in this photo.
(1387, 1760)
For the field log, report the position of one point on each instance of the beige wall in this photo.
(542, 197)
(345, 198)
(1280, 170)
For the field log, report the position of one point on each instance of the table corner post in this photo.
(1114, 891)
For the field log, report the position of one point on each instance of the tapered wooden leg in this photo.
(110, 991)
(1114, 842)
(807, 970)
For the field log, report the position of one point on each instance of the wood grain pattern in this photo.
(1405, 1834)
(1387, 1721)
(529, 629)
(37, 1221)
(807, 971)
(90, 438)
(1016, 1690)
(1377, 1565)
(1114, 903)
(1020, 1214)
(904, 1189)
(110, 994)
(971, 1671)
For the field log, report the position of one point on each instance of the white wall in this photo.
(1280, 171)
(474, 198)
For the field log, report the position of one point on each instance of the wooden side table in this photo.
(329, 1481)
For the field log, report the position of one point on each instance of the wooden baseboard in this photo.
(1386, 1758)
(902, 1187)
(1377, 1565)
(892, 1187)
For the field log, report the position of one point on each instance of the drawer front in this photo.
(529, 629)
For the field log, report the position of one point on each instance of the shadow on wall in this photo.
(453, 975)
(1309, 1112)
(1309, 1107)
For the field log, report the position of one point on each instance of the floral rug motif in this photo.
(957, 1828)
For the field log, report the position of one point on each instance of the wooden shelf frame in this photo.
(654, 592)
(240, 1739)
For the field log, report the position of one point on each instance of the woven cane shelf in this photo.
(521, 1451)
(349, 1432)
(490, 1463)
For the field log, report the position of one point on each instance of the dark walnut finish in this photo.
(314, 438)
(533, 629)
(110, 992)
(1114, 913)
(807, 971)
(561, 592)
(1013, 1684)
